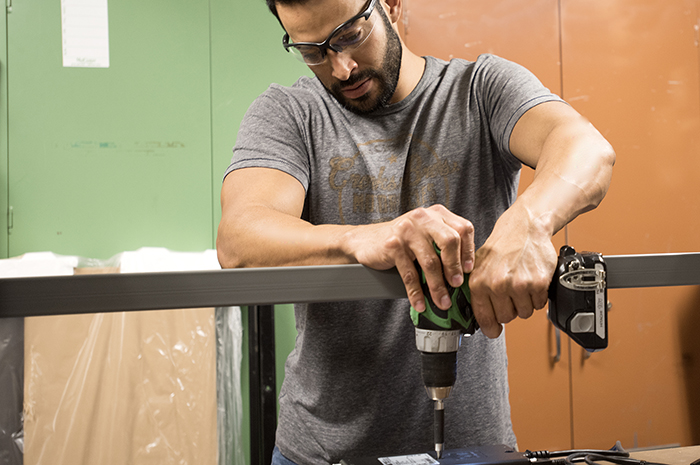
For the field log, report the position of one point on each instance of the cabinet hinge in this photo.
(10, 219)
(8, 5)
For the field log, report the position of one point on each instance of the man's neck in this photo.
(412, 68)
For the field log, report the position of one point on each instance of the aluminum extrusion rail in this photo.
(22, 297)
(652, 270)
(58, 295)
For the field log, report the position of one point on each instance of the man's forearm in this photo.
(573, 164)
(572, 175)
(573, 167)
(261, 237)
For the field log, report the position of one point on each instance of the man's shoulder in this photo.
(304, 95)
(464, 64)
(305, 87)
(486, 68)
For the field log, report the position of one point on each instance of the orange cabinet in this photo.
(633, 69)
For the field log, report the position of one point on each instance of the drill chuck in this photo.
(432, 341)
(439, 371)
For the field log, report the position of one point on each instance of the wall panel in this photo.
(632, 68)
(4, 206)
(110, 159)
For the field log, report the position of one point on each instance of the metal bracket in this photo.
(583, 279)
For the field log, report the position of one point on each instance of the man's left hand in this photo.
(512, 272)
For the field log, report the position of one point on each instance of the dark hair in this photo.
(272, 6)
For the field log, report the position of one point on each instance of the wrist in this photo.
(347, 244)
(537, 223)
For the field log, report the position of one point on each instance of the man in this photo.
(381, 156)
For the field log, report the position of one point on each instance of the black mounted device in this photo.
(578, 298)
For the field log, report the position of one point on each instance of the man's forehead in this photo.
(313, 20)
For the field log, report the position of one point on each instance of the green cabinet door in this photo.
(4, 213)
(103, 160)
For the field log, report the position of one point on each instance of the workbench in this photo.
(674, 456)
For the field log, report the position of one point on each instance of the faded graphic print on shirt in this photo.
(378, 180)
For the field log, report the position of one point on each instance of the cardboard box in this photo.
(121, 388)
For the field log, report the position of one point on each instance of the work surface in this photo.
(675, 456)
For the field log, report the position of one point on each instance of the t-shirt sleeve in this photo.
(270, 137)
(507, 91)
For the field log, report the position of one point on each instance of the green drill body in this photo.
(438, 337)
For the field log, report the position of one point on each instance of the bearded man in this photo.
(377, 159)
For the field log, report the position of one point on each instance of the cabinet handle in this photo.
(586, 354)
(557, 339)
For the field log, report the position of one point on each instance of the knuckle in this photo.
(418, 214)
(500, 286)
(465, 228)
(431, 263)
(520, 287)
(402, 225)
(437, 207)
(393, 242)
(476, 282)
(524, 310)
(451, 239)
(413, 294)
(410, 279)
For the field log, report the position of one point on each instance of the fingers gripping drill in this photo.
(577, 302)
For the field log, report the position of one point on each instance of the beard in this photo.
(386, 77)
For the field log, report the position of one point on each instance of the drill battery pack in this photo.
(578, 298)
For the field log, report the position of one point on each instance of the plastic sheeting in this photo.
(12, 352)
(11, 390)
(132, 387)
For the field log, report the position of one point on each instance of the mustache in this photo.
(354, 79)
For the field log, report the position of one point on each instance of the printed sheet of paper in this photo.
(85, 30)
(419, 459)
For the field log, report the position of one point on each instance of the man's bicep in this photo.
(532, 129)
(262, 187)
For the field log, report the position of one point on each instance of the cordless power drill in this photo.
(438, 337)
(577, 306)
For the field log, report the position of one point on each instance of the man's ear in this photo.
(394, 8)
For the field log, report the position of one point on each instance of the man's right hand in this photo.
(410, 238)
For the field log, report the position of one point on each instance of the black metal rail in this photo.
(58, 295)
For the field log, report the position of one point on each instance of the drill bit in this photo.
(439, 427)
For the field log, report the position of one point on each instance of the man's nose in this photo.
(342, 65)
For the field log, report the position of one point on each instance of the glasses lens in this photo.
(352, 35)
(309, 54)
(347, 37)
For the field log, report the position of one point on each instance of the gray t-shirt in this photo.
(352, 383)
